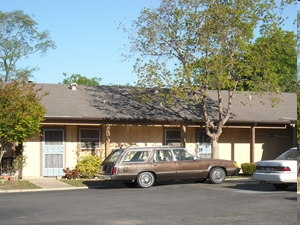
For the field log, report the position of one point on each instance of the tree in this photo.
(20, 113)
(20, 38)
(187, 48)
(280, 53)
(78, 79)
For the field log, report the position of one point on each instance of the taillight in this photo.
(114, 171)
(281, 169)
(270, 168)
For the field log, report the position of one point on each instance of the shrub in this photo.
(71, 174)
(18, 164)
(88, 167)
(248, 168)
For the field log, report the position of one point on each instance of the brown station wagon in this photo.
(146, 165)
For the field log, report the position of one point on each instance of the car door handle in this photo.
(179, 163)
(154, 164)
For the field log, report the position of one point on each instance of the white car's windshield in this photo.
(290, 154)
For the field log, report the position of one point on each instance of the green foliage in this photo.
(88, 167)
(248, 168)
(298, 113)
(19, 39)
(19, 163)
(78, 79)
(186, 48)
(275, 60)
(21, 113)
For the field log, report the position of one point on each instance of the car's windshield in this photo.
(113, 156)
(290, 154)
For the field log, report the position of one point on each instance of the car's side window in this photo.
(136, 156)
(182, 154)
(162, 155)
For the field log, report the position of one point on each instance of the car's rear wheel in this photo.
(281, 187)
(217, 175)
(145, 179)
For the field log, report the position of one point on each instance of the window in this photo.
(203, 143)
(162, 155)
(173, 137)
(136, 156)
(182, 154)
(53, 137)
(202, 137)
(89, 138)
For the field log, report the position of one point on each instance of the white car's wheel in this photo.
(145, 179)
(217, 175)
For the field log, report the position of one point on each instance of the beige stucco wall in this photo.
(33, 162)
(234, 144)
(135, 135)
(71, 149)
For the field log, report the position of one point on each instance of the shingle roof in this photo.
(115, 103)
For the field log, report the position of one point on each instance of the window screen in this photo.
(89, 138)
(53, 137)
(173, 137)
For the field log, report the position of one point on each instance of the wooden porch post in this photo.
(183, 135)
(252, 144)
(294, 127)
(107, 139)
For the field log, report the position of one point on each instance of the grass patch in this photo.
(85, 182)
(76, 183)
(18, 185)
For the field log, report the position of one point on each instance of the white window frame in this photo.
(80, 138)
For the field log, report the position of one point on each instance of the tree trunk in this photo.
(214, 148)
(1, 155)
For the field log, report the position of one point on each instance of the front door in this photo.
(53, 152)
(187, 166)
(163, 164)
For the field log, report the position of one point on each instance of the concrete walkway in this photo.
(51, 183)
(46, 184)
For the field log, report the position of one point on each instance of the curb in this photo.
(42, 189)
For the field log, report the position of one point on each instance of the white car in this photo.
(281, 172)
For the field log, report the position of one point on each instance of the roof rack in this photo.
(136, 146)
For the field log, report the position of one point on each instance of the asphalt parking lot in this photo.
(234, 202)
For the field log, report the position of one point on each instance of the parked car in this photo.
(281, 172)
(146, 165)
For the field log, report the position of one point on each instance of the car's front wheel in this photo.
(145, 179)
(217, 175)
(281, 187)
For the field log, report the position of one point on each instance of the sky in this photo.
(87, 37)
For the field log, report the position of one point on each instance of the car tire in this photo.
(145, 179)
(130, 184)
(217, 175)
(281, 187)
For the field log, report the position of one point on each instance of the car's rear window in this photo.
(136, 156)
(113, 156)
(290, 154)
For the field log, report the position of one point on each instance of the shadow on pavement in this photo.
(255, 186)
(104, 184)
